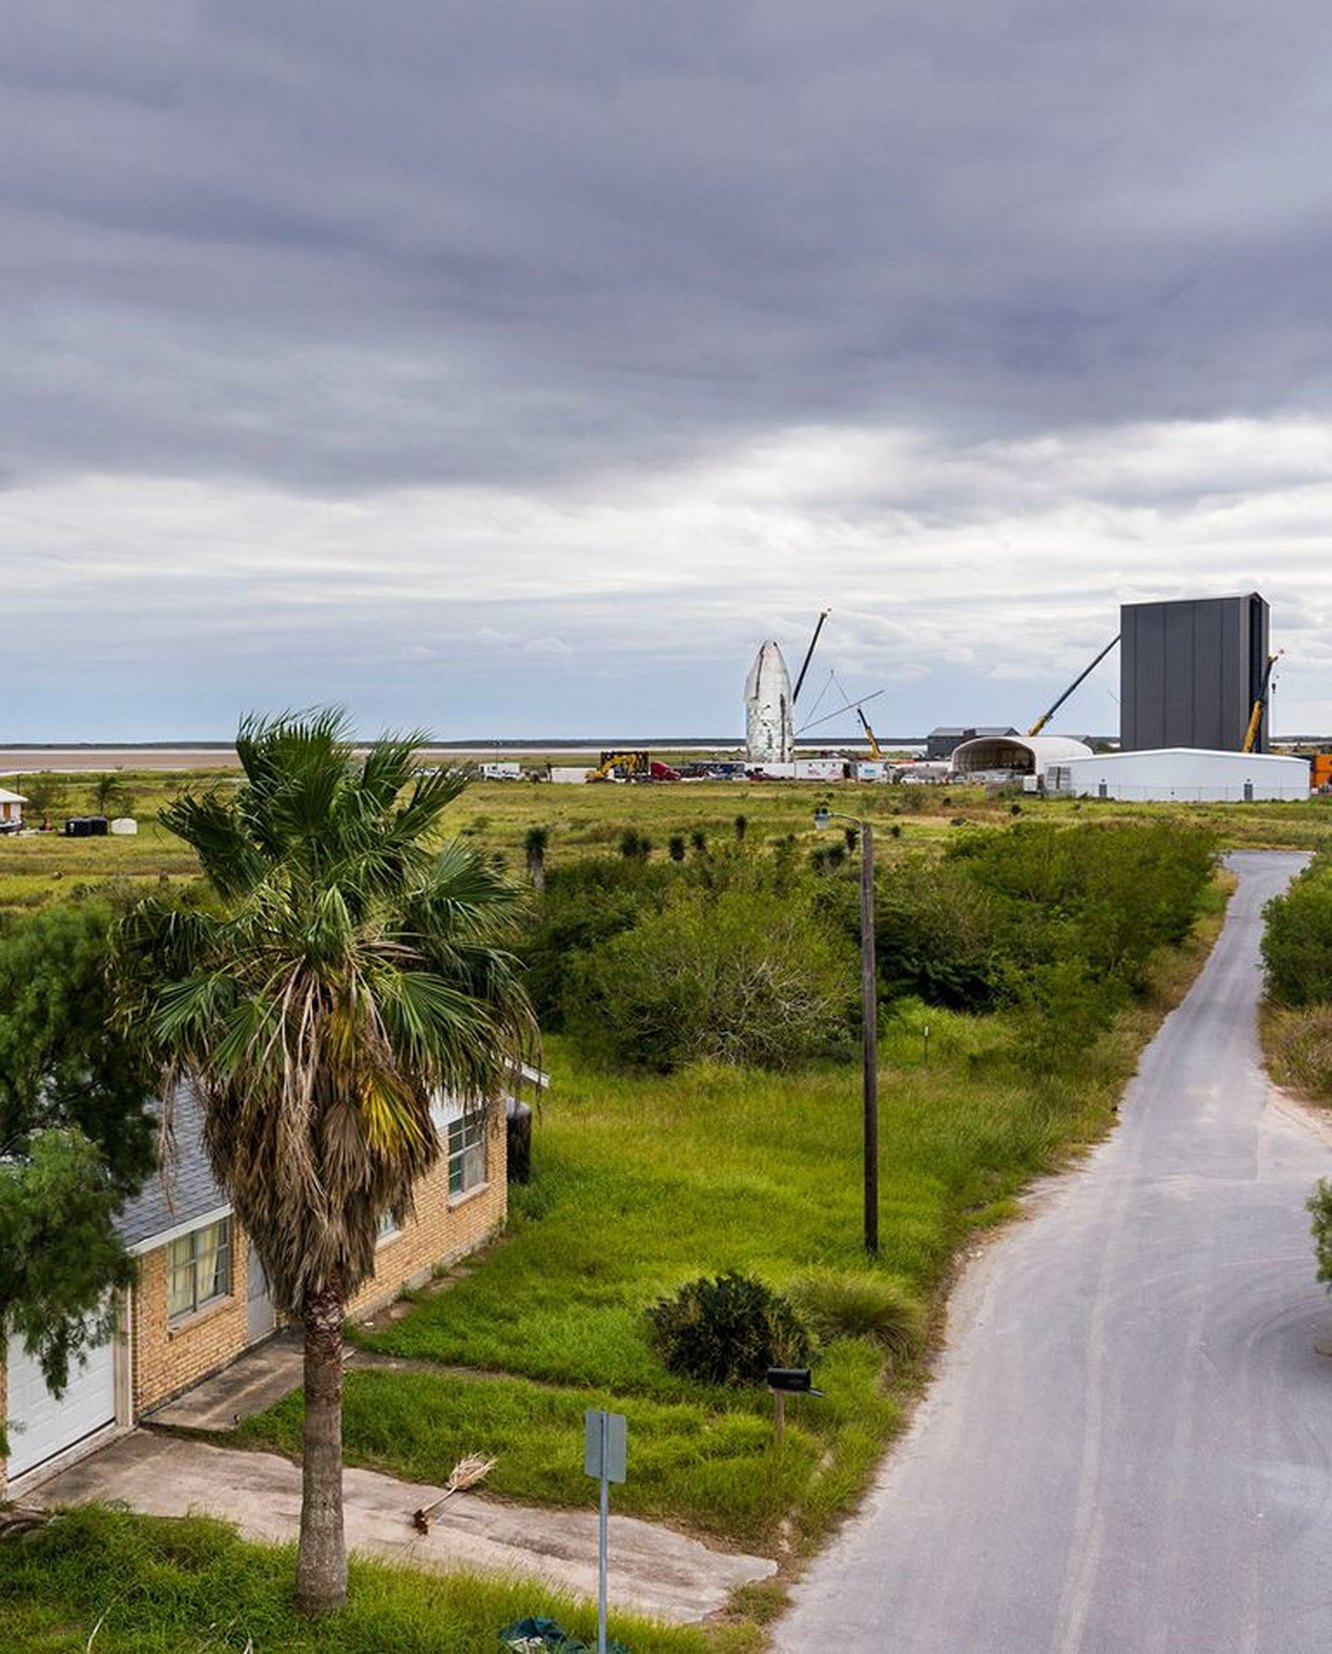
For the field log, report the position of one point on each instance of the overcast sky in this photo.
(516, 367)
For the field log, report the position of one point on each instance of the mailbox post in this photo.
(783, 1382)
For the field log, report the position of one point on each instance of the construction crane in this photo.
(1260, 705)
(1045, 717)
(876, 751)
(809, 655)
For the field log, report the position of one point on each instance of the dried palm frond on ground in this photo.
(466, 1473)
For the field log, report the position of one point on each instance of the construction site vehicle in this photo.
(1320, 771)
(1260, 705)
(620, 766)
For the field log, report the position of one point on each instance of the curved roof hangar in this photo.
(1016, 754)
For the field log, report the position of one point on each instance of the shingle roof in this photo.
(183, 1193)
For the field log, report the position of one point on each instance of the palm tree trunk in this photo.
(321, 1560)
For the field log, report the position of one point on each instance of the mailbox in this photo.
(791, 1381)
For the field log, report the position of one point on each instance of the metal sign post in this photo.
(604, 1457)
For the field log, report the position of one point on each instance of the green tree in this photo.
(744, 976)
(76, 1133)
(350, 971)
(534, 845)
(110, 796)
(45, 794)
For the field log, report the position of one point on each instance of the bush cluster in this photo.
(746, 954)
(728, 1329)
(1297, 941)
(1041, 917)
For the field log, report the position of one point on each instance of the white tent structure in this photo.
(1189, 775)
(1004, 757)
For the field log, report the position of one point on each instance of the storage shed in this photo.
(1189, 775)
(11, 811)
(1002, 757)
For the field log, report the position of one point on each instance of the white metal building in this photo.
(1001, 757)
(1188, 775)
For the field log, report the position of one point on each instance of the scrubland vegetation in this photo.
(1297, 1025)
(1297, 959)
(698, 993)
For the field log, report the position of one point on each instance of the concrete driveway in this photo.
(653, 1570)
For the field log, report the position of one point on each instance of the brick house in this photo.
(200, 1299)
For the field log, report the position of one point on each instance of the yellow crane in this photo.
(1260, 705)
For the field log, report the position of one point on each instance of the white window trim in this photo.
(448, 1112)
(226, 1248)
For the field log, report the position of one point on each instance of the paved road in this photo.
(1127, 1448)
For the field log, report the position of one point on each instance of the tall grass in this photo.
(113, 1583)
(642, 1184)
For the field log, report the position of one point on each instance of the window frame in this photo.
(223, 1283)
(466, 1140)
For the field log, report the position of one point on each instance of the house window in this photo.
(198, 1268)
(467, 1152)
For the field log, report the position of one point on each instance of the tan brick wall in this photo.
(440, 1231)
(169, 1358)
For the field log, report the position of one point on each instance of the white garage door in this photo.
(39, 1425)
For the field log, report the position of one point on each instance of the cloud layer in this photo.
(518, 368)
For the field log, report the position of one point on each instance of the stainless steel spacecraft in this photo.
(769, 709)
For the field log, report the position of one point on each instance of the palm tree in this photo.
(347, 970)
(535, 845)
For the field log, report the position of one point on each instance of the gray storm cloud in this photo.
(361, 246)
(558, 322)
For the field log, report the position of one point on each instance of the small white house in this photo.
(1188, 775)
(11, 811)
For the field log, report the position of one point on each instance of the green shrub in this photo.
(1320, 1209)
(855, 1304)
(583, 904)
(744, 976)
(727, 1330)
(1297, 943)
(936, 935)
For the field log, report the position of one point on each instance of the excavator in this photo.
(1260, 704)
(628, 763)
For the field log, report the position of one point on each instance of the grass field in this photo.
(105, 1582)
(498, 815)
(641, 1184)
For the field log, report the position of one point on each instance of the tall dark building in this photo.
(1190, 672)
